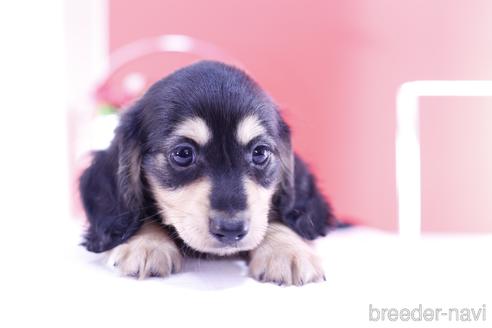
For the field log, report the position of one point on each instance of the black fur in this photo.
(303, 208)
(112, 196)
(114, 190)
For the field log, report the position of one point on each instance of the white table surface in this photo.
(60, 284)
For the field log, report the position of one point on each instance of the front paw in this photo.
(285, 260)
(147, 255)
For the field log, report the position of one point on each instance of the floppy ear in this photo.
(111, 188)
(298, 201)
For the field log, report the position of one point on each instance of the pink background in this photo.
(335, 67)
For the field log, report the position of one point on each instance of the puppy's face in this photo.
(214, 156)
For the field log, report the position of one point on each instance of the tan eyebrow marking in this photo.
(248, 129)
(196, 129)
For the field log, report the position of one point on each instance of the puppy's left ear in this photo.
(111, 187)
(298, 201)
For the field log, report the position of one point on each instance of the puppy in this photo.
(203, 162)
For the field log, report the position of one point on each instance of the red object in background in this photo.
(335, 66)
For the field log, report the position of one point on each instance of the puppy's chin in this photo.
(206, 243)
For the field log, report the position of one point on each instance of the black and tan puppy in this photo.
(204, 162)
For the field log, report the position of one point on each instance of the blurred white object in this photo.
(101, 131)
(134, 83)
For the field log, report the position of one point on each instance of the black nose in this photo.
(228, 230)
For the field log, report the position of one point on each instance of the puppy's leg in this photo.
(149, 253)
(284, 258)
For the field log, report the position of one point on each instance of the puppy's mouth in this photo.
(220, 241)
(221, 249)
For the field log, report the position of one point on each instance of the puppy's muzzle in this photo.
(228, 230)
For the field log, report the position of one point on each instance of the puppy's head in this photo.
(212, 151)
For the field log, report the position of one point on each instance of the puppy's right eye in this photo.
(260, 154)
(183, 156)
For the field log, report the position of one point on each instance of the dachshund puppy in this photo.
(203, 162)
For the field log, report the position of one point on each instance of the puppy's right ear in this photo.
(298, 200)
(111, 188)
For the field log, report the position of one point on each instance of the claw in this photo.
(134, 274)
(155, 274)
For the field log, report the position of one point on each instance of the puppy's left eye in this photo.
(261, 154)
(183, 156)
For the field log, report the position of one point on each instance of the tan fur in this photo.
(149, 252)
(196, 129)
(284, 258)
(259, 200)
(129, 168)
(248, 129)
(188, 210)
